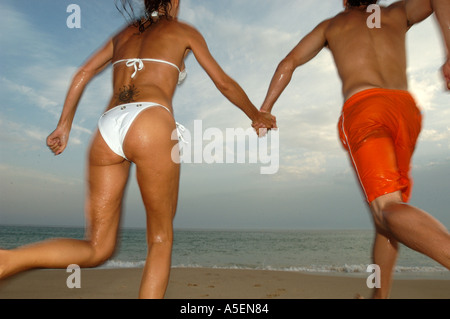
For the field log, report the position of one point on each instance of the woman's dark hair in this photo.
(357, 3)
(143, 19)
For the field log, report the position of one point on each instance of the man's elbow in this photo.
(286, 66)
(418, 11)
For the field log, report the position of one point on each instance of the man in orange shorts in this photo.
(376, 123)
(380, 121)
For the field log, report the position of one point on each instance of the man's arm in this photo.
(306, 50)
(417, 10)
(442, 11)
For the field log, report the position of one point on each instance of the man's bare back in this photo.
(367, 56)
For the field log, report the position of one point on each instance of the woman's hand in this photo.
(264, 123)
(57, 141)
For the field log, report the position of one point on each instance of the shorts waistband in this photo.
(375, 91)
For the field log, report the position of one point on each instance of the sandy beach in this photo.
(204, 283)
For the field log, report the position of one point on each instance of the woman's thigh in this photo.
(107, 176)
(150, 146)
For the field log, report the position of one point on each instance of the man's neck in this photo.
(359, 8)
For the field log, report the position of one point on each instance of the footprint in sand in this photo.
(278, 293)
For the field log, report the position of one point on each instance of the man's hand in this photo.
(265, 122)
(446, 72)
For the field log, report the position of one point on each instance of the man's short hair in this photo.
(357, 3)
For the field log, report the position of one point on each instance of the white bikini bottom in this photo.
(115, 123)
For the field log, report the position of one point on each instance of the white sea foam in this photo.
(118, 264)
(326, 252)
(342, 269)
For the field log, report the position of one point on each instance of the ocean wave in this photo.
(343, 269)
(118, 264)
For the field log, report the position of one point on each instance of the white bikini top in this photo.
(138, 65)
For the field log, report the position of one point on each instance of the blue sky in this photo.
(314, 187)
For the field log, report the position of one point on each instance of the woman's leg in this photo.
(107, 177)
(149, 146)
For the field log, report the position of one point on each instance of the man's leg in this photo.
(412, 227)
(383, 167)
(384, 254)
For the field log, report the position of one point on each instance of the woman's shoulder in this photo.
(183, 26)
(125, 31)
(189, 31)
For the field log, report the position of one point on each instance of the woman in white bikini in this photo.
(148, 64)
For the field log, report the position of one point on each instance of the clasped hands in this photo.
(264, 123)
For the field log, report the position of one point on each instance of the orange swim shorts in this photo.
(379, 129)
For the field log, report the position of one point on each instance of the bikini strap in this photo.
(180, 128)
(163, 61)
(138, 65)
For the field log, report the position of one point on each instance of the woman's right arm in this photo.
(57, 141)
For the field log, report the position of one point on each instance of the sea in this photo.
(334, 252)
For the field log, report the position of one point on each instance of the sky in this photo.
(314, 187)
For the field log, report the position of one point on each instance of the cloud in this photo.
(18, 136)
(20, 38)
(425, 87)
(38, 69)
(250, 52)
(303, 166)
(248, 38)
(435, 135)
(24, 175)
(29, 96)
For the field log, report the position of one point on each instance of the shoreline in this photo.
(213, 283)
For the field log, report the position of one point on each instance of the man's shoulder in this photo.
(397, 7)
(330, 21)
(395, 13)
